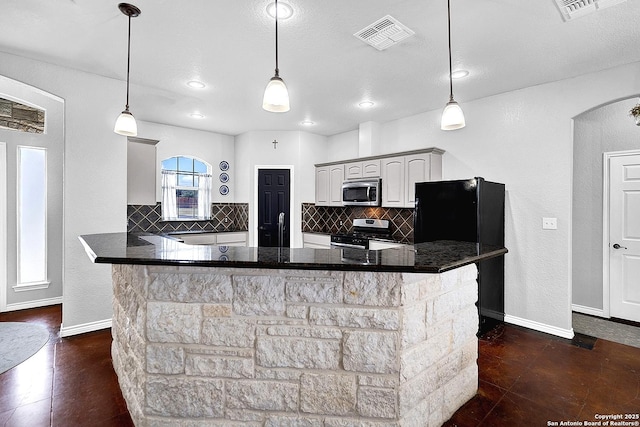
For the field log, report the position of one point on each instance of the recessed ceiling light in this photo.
(366, 104)
(284, 11)
(196, 116)
(458, 74)
(307, 123)
(196, 84)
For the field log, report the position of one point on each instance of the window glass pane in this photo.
(199, 167)
(32, 215)
(196, 181)
(170, 164)
(187, 201)
(185, 180)
(185, 164)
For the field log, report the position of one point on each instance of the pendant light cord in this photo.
(450, 67)
(128, 62)
(277, 68)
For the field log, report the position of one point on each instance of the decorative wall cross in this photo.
(274, 143)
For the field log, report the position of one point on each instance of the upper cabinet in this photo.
(399, 173)
(363, 169)
(329, 185)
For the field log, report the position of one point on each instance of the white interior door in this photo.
(624, 236)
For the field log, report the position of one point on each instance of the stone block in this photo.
(228, 332)
(216, 366)
(459, 390)
(370, 288)
(173, 322)
(365, 351)
(412, 392)
(278, 374)
(354, 422)
(284, 352)
(314, 292)
(328, 394)
(305, 332)
(283, 421)
(376, 402)
(381, 381)
(258, 295)
(415, 324)
(191, 287)
(216, 310)
(297, 311)
(184, 397)
(262, 395)
(355, 317)
(165, 359)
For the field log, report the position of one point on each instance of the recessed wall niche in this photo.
(20, 117)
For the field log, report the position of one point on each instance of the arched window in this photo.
(186, 189)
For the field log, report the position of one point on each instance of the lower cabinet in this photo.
(376, 245)
(316, 240)
(235, 238)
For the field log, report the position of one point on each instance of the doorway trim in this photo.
(3, 227)
(253, 226)
(606, 284)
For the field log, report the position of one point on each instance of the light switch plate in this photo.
(549, 223)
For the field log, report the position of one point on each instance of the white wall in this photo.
(605, 129)
(343, 146)
(95, 192)
(298, 150)
(208, 146)
(524, 139)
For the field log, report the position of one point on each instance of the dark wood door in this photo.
(273, 207)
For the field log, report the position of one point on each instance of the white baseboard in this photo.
(34, 304)
(588, 310)
(84, 328)
(537, 326)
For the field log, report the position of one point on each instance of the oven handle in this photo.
(347, 245)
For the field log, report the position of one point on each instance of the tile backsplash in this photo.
(331, 220)
(224, 217)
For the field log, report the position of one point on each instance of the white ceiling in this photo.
(505, 44)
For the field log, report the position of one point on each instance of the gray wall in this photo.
(605, 129)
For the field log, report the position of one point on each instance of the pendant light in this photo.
(126, 124)
(452, 116)
(276, 95)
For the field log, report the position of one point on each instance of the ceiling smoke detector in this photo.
(571, 9)
(384, 33)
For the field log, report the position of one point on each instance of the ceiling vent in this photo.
(384, 33)
(571, 9)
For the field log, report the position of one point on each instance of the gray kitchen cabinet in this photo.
(421, 167)
(363, 169)
(329, 185)
(393, 182)
(316, 240)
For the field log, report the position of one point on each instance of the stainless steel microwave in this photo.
(361, 192)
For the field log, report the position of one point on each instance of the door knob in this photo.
(617, 246)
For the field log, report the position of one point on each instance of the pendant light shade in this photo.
(276, 95)
(452, 116)
(126, 123)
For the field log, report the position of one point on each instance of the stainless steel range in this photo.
(364, 229)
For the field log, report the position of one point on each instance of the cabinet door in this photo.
(393, 194)
(371, 168)
(336, 177)
(417, 169)
(353, 170)
(322, 186)
(232, 239)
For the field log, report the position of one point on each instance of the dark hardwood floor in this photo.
(526, 379)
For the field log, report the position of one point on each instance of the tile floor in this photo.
(526, 379)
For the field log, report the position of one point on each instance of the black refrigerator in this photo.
(470, 210)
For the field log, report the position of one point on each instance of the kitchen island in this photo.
(241, 336)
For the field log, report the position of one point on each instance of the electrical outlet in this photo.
(549, 223)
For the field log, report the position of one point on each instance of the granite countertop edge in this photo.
(431, 257)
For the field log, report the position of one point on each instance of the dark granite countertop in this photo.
(432, 257)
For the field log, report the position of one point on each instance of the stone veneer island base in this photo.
(218, 346)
